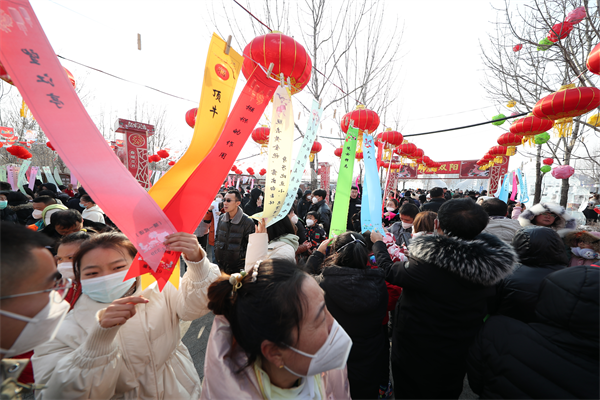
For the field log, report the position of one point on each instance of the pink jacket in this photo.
(516, 212)
(221, 380)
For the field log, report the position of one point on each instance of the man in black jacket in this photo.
(555, 357)
(445, 283)
(320, 206)
(437, 199)
(233, 231)
(353, 208)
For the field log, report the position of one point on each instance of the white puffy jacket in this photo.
(143, 358)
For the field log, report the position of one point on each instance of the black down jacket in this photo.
(357, 299)
(231, 241)
(555, 357)
(541, 251)
(445, 287)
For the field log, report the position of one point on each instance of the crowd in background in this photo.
(458, 284)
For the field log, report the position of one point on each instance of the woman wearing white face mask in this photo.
(392, 213)
(287, 345)
(120, 341)
(65, 252)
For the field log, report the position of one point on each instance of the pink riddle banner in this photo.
(34, 68)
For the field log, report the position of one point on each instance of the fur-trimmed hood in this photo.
(562, 225)
(485, 260)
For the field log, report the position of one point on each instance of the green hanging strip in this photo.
(339, 219)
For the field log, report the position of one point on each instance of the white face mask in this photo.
(315, 200)
(332, 355)
(260, 197)
(66, 270)
(295, 219)
(107, 288)
(406, 225)
(390, 209)
(36, 214)
(310, 222)
(39, 329)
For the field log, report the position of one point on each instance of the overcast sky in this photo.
(441, 69)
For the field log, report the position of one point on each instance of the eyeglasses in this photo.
(549, 214)
(61, 286)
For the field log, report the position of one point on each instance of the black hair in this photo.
(238, 196)
(495, 207)
(5, 186)
(348, 251)
(46, 193)
(47, 200)
(50, 186)
(65, 218)
(268, 309)
(462, 218)
(17, 263)
(280, 228)
(108, 240)
(354, 187)
(320, 192)
(62, 187)
(16, 198)
(436, 192)
(314, 214)
(87, 198)
(409, 209)
(457, 196)
(422, 198)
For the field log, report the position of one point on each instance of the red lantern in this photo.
(359, 155)
(338, 152)
(234, 168)
(171, 163)
(510, 140)
(393, 138)
(481, 163)
(262, 172)
(418, 153)
(163, 154)
(593, 60)
(548, 161)
(567, 103)
(316, 147)
(517, 47)
(365, 120)
(261, 136)
(50, 146)
(287, 56)
(405, 150)
(530, 126)
(250, 170)
(190, 117)
(560, 31)
(70, 76)
(498, 150)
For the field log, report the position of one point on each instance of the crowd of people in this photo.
(457, 285)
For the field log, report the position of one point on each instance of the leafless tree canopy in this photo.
(536, 71)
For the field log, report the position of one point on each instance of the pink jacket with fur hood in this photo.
(221, 380)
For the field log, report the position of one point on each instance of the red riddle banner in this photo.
(135, 144)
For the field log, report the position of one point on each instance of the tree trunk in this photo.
(538, 175)
(564, 193)
(314, 174)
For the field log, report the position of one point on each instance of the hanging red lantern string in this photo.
(530, 126)
(510, 140)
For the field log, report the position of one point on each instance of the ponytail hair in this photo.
(266, 309)
(349, 250)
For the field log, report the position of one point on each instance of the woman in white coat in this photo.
(120, 341)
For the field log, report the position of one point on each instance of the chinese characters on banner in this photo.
(198, 191)
(373, 206)
(466, 169)
(57, 177)
(49, 176)
(135, 148)
(325, 174)
(300, 162)
(32, 176)
(339, 218)
(31, 63)
(391, 183)
(221, 74)
(12, 172)
(496, 172)
(281, 141)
